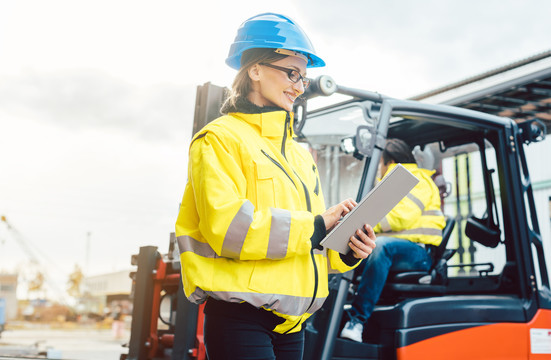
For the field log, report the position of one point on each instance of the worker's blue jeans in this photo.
(390, 254)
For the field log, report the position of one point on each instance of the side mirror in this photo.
(365, 140)
(483, 231)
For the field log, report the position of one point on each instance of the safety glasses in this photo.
(292, 74)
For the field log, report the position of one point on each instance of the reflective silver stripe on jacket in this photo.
(237, 231)
(284, 304)
(198, 296)
(321, 252)
(385, 225)
(280, 230)
(421, 206)
(418, 231)
(187, 243)
(387, 229)
(433, 213)
(416, 200)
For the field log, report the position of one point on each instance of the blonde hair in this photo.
(242, 84)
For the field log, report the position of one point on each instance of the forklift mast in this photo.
(157, 282)
(208, 101)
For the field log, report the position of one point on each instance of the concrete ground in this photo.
(71, 344)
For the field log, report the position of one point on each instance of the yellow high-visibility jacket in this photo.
(247, 216)
(418, 216)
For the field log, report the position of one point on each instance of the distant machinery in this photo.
(35, 276)
(74, 282)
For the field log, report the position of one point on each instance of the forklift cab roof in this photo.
(414, 122)
(520, 91)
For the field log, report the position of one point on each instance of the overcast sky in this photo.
(97, 100)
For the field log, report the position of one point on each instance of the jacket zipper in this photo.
(287, 125)
(279, 166)
(315, 280)
(287, 128)
(309, 208)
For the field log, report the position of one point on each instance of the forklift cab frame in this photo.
(494, 301)
(476, 295)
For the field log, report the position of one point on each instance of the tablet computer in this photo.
(372, 208)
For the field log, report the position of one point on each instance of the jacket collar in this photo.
(243, 105)
(269, 120)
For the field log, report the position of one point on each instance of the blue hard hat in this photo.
(274, 31)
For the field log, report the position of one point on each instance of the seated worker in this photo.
(416, 221)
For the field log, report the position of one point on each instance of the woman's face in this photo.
(272, 87)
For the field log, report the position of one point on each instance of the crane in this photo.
(40, 277)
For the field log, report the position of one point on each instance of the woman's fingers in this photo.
(349, 204)
(363, 242)
(332, 215)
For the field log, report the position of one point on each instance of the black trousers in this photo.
(240, 331)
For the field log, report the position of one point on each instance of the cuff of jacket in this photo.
(349, 259)
(319, 232)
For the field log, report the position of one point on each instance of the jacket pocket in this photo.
(265, 175)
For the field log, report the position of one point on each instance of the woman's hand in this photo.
(363, 242)
(332, 215)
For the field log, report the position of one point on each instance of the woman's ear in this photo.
(254, 72)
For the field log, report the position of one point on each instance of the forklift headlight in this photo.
(347, 145)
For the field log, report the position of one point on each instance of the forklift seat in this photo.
(431, 281)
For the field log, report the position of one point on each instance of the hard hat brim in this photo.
(271, 31)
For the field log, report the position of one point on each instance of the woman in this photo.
(253, 214)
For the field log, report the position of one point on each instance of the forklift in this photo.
(487, 293)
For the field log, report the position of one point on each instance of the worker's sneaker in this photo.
(353, 330)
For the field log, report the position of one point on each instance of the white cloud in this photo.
(84, 99)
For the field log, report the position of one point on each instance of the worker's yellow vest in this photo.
(247, 216)
(418, 216)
